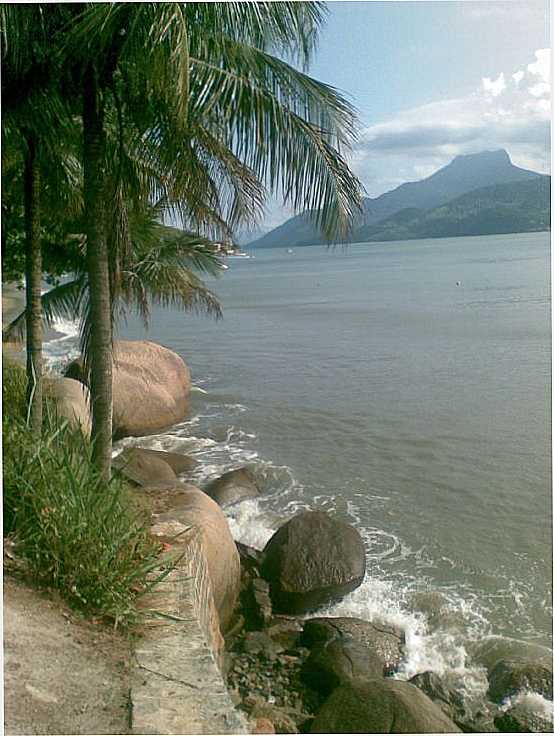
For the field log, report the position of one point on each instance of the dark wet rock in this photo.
(432, 685)
(522, 719)
(380, 706)
(233, 487)
(385, 641)
(258, 642)
(255, 601)
(509, 677)
(488, 651)
(285, 631)
(311, 560)
(483, 721)
(249, 556)
(261, 600)
(470, 720)
(338, 662)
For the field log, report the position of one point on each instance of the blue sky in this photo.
(433, 79)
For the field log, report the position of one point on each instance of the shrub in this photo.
(77, 532)
(14, 387)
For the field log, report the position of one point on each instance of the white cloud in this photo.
(541, 66)
(495, 87)
(511, 112)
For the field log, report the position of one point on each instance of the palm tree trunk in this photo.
(33, 277)
(100, 352)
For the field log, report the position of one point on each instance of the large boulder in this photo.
(233, 487)
(311, 560)
(71, 401)
(151, 386)
(143, 468)
(384, 641)
(195, 508)
(509, 677)
(380, 706)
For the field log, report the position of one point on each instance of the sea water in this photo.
(403, 387)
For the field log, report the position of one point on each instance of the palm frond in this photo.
(289, 129)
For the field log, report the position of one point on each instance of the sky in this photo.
(434, 79)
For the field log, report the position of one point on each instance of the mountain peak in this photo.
(463, 174)
(499, 156)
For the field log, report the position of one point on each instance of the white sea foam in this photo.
(59, 350)
(533, 701)
(248, 525)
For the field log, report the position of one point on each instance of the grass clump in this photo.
(76, 532)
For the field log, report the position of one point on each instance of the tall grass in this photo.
(76, 532)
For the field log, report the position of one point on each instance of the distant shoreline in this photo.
(255, 248)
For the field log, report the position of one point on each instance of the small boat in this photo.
(289, 250)
(238, 255)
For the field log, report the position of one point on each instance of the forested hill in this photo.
(515, 207)
(461, 176)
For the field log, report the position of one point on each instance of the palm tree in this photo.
(204, 73)
(34, 120)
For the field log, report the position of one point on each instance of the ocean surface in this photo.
(404, 387)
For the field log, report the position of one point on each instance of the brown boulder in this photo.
(71, 400)
(233, 487)
(311, 560)
(195, 508)
(178, 462)
(142, 468)
(380, 706)
(149, 468)
(151, 386)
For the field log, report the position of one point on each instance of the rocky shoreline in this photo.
(287, 672)
(292, 674)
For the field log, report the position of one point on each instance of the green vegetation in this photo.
(76, 532)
